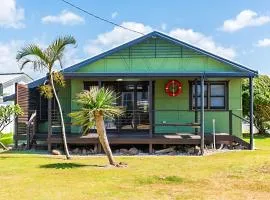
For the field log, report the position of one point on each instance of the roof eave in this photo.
(70, 75)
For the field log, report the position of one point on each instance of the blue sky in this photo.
(238, 30)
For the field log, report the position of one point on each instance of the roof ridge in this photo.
(90, 60)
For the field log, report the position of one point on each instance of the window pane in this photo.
(88, 84)
(199, 102)
(111, 123)
(217, 102)
(214, 93)
(199, 90)
(217, 90)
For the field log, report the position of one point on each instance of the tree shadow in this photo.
(68, 166)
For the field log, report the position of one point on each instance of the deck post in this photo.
(15, 136)
(99, 148)
(202, 115)
(49, 125)
(151, 112)
(99, 84)
(230, 122)
(150, 148)
(251, 142)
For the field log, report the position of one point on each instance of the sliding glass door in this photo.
(133, 97)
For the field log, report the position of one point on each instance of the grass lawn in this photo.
(233, 175)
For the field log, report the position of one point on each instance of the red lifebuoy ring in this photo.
(176, 87)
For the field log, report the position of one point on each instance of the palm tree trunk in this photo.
(3, 146)
(62, 119)
(103, 137)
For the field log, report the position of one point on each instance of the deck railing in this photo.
(31, 129)
(174, 121)
(179, 120)
(165, 121)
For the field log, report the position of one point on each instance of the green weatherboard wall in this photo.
(157, 55)
(181, 102)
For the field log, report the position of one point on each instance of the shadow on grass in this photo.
(67, 166)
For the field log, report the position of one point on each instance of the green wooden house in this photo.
(158, 80)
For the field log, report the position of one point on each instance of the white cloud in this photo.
(8, 51)
(163, 26)
(245, 18)
(263, 43)
(10, 15)
(118, 36)
(247, 51)
(8, 61)
(71, 57)
(202, 41)
(115, 37)
(114, 14)
(64, 18)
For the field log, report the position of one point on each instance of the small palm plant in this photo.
(96, 104)
(47, 59)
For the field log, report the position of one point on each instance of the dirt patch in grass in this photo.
(264, 169)
(253, 186)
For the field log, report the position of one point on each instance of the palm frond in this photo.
(32, 54)
(25, 62)
(34, 51)
(58, 46)
(95, 100)
(83, 118)
(38, 65)
(59, 58)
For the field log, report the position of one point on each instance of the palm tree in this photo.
(47, 59)
(97, 104)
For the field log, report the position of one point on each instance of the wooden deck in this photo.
(138, 139)
(180, 138)
(132, 139)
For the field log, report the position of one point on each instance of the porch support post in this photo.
(196, 103)
(230, 122)
(251, 113)
(15, 136)
(202, 115)
(99, 148)
(49, 125)
(151, 112)
(99, 84)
